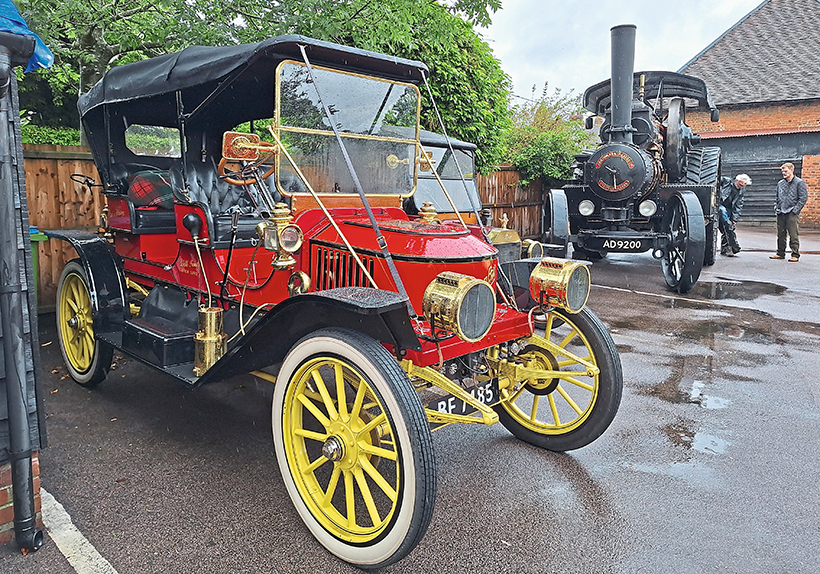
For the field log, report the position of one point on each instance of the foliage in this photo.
(547, 132)
(33, 134)
(469, 88)
(89, 36)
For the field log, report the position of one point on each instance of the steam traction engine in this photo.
(649, 186)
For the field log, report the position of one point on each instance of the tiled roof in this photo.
(771, 55)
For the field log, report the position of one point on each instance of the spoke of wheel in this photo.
(567, 339)
(534, 409)
(361, 390)
(314, 410)
(569, 400)
(73, 304)
(304, 433)
(548, 328)
(88, 340)
(378, 451)
(374, 423)
(350, 499)
(320, 385)
(311, 468)
(378, 479)
(554, 410)
(331, 486)
(578, 383)
(364, 490)
(569, 362)
(340, 391)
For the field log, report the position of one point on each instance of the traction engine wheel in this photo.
(683, 260)
(565, 413)
(703, 168)
(354, 447)
(87, 359)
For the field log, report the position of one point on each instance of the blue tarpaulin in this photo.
(11, 21)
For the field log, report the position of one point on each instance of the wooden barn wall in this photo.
(502, 193)
(55, 201)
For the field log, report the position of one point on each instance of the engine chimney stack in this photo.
(623, 67)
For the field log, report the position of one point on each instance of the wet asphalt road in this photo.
(710, 466)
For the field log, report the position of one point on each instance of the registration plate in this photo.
(486, 393)
(619, 245)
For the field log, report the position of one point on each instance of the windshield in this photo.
(447, 164)
(377, 120)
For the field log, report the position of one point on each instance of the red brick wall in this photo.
(6, 506)
(785, 117)
(810, 216)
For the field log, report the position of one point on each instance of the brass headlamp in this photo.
(280, 235)
(459, 304)
(560, 283)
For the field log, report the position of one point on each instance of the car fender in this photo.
(106, 279)
(381, 314)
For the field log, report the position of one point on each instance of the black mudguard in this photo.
(381, 314)
(106, 280)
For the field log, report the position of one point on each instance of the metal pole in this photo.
(28, 536)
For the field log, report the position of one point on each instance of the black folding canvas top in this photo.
(203, 65)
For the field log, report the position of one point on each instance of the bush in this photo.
(50, 136)
(547, 133)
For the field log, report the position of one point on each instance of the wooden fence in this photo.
(502, 193)
(55, 201)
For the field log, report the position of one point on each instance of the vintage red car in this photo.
(256, 224)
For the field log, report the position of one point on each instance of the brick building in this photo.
(763, 74)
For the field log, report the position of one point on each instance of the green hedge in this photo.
(50, 136)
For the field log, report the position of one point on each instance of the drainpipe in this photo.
(28, 536)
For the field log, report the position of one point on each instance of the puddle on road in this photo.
(680, 435)
(741, 290)
(684, 370)
(709, 444)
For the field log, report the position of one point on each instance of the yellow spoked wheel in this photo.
(570, 411)
(86, 358)
(354, 447)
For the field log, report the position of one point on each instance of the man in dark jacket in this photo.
(731, 205)
(792, 195)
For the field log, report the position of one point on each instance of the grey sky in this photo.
(566, 43)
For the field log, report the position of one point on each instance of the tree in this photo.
(547, 132)
(89, 36)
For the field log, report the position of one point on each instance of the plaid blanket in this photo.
(151, 188)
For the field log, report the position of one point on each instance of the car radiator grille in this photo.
(332, 268)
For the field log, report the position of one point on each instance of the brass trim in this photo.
(298, 283)
(209, 340)
(550, 279)
(444, 297)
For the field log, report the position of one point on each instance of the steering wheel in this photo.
(226, 174)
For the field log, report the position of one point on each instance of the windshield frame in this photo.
(279, 129)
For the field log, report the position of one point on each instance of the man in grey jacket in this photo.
(792, 195)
